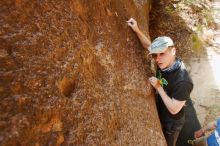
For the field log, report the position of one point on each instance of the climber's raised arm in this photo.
(144, 40)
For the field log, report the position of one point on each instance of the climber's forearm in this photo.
(209, 126)
(143, 39)
(174, 106)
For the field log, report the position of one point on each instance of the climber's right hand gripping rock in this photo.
(133, 24)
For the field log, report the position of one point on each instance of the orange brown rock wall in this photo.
(73, 73)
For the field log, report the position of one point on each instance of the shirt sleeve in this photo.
(182, 91)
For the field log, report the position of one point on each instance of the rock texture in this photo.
(166, 20)
(72, 73)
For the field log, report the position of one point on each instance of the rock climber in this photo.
(172, 82)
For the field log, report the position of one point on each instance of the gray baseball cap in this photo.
(160, 44)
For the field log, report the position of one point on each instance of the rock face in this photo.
(72, 73)
(166, 20)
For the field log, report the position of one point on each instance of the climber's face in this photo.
(166, 58)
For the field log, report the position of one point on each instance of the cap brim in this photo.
(158, 51)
